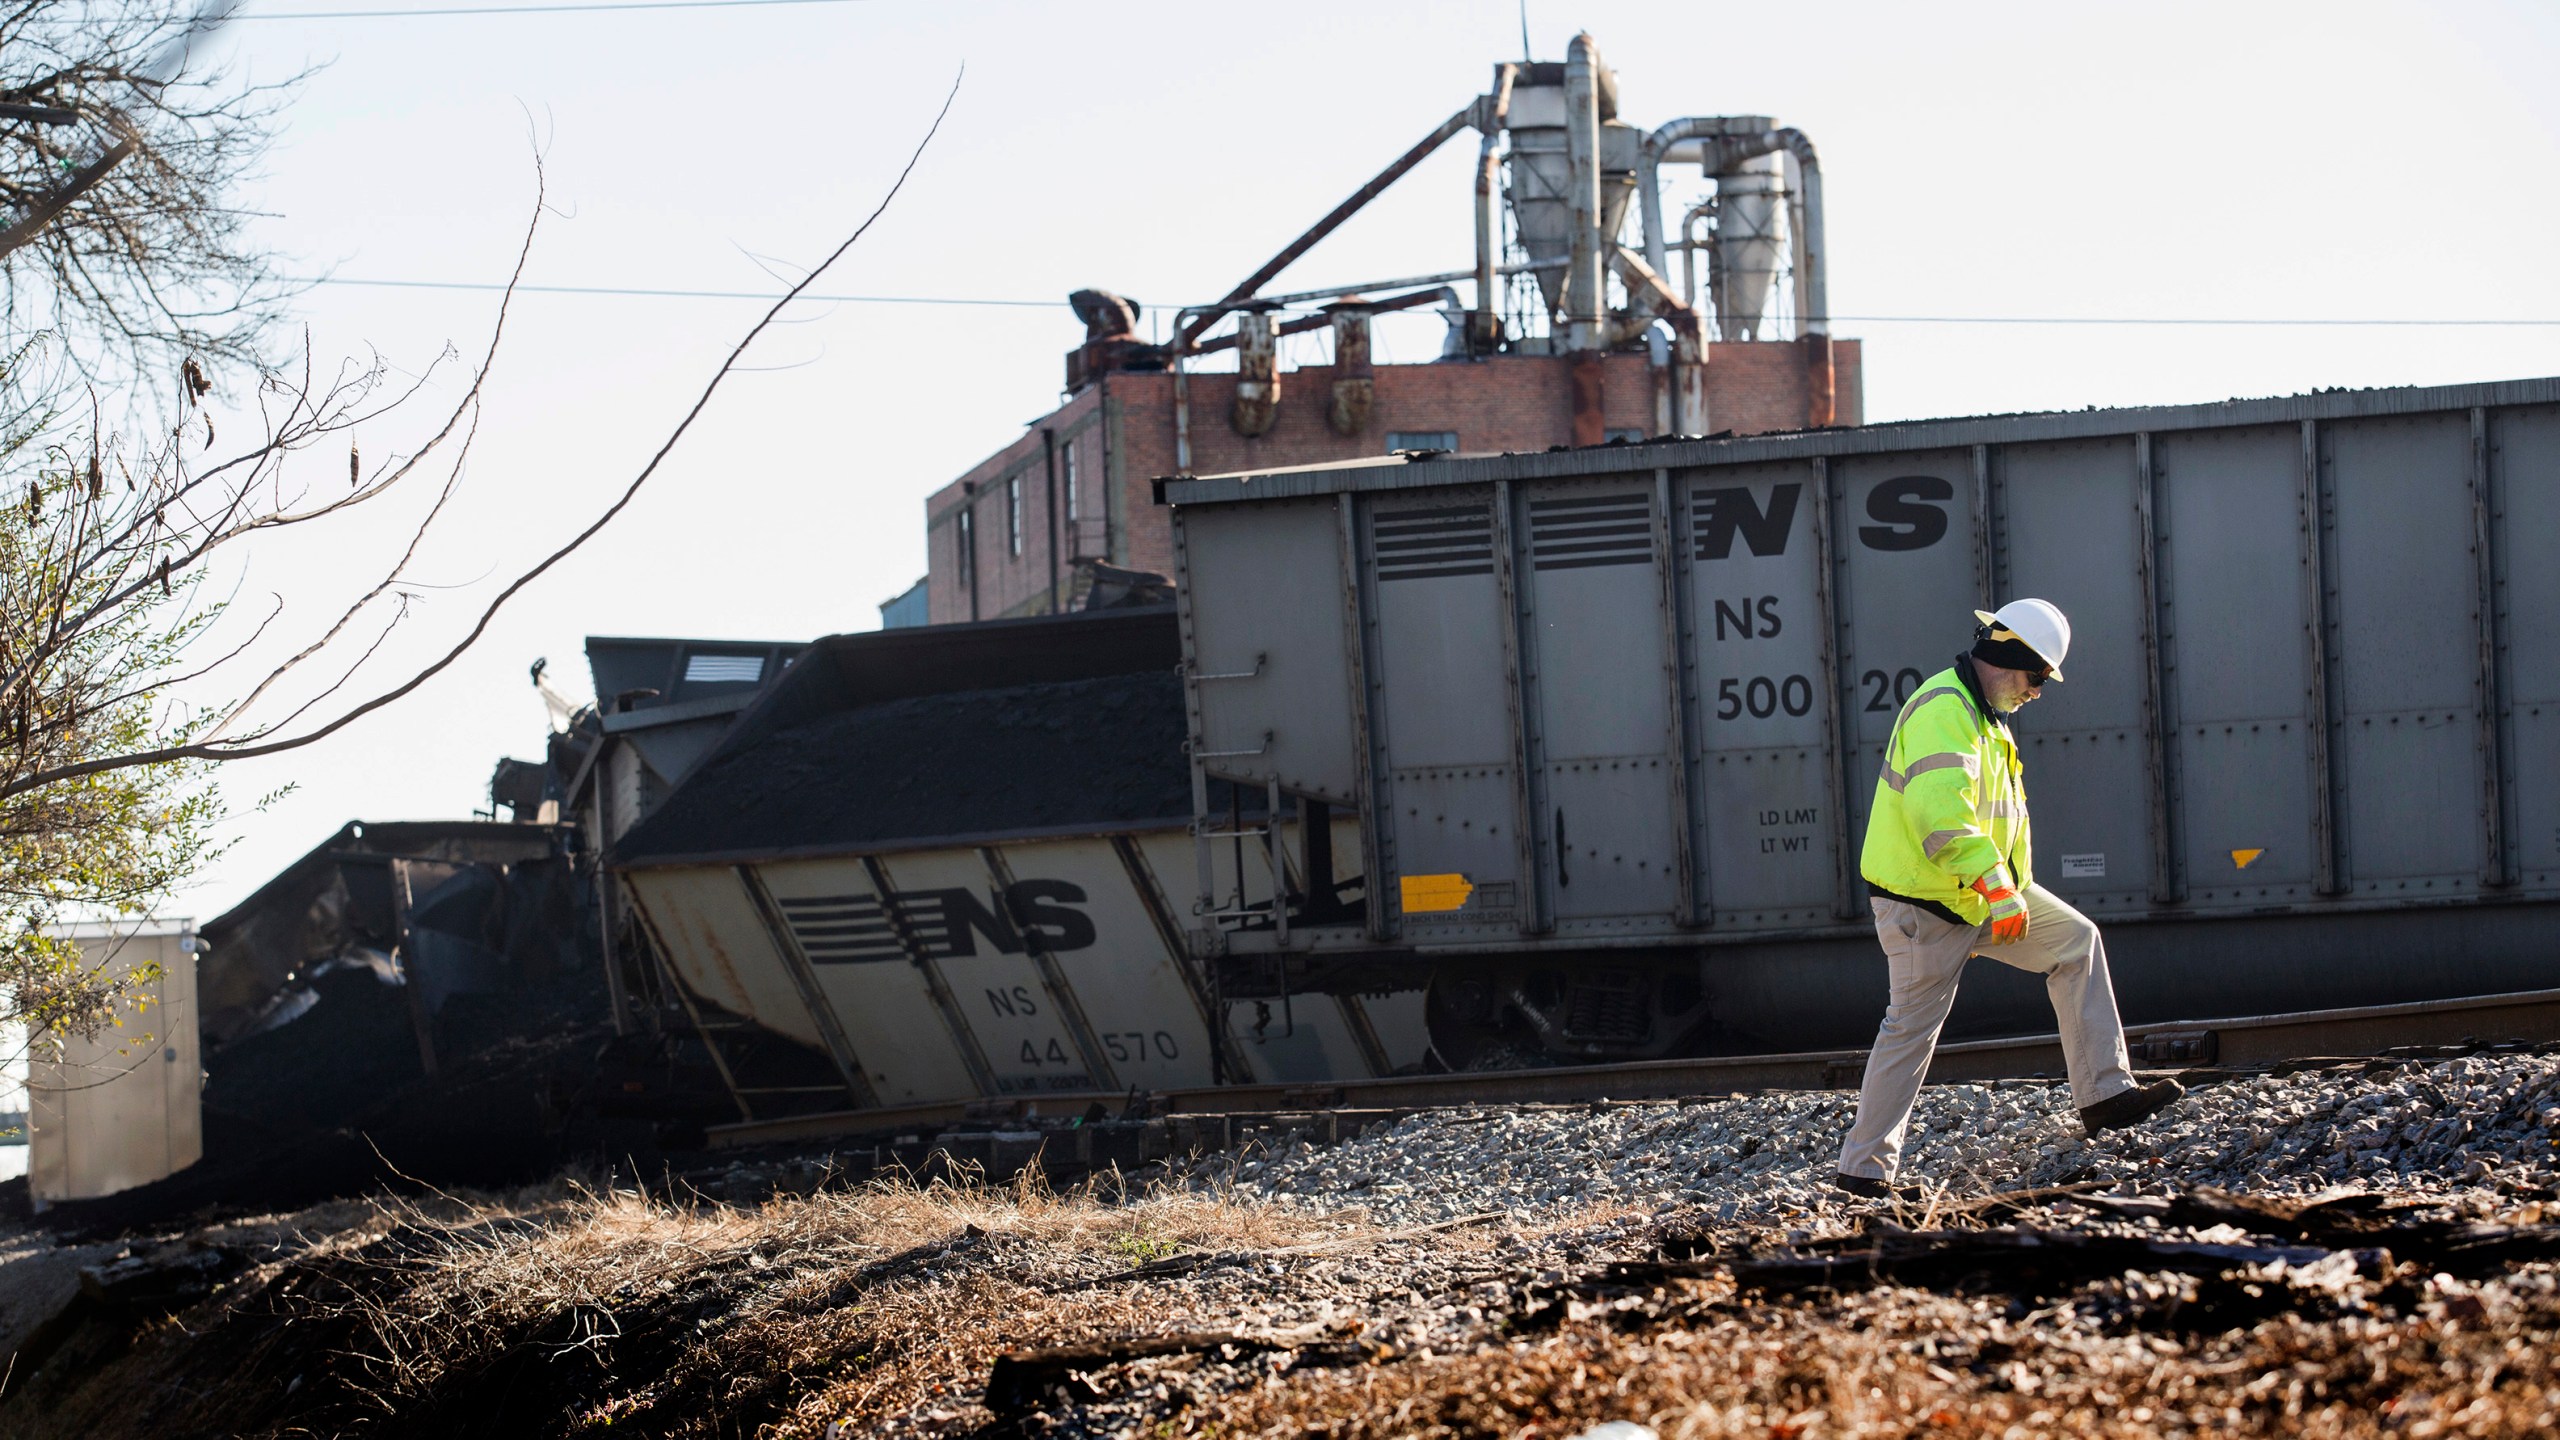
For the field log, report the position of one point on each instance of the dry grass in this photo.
(568, 1309)
(877, 1310)
(845, 1305)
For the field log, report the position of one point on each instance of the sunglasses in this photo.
(2035, 680)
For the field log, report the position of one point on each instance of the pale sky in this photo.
(2260, 161)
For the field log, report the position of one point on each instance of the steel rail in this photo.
(2239, 1042)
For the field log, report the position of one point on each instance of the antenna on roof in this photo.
(1526, 54)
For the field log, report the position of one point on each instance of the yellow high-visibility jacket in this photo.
(1951, 805)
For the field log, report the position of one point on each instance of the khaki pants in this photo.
(1927, 954)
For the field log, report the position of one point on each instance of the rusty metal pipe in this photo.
(1406, 282)
(1585, 376)
(1816, 319)
(1657, 353)
(1822, 379)
(1181, 404)
(1355, 383)
(1796, 251)
(1688, 358)
(1257, 399)
(1725, 141)
(1690, 245)
(1304, 324)
(1482, 330)
(1182, 375)
(1719, 140)
(1586, 288)
(1727, 145)
(1208, 315)
(1657, 253)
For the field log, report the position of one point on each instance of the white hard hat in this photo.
(2039, 624)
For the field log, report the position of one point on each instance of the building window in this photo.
(967, 539)
(1438, 442)
(1013, 514)
(1616, 433)
(1067, 477)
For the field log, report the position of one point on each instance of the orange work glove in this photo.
(2008, 908)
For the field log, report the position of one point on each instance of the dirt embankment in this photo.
(1350, 1291)
(885, 1309)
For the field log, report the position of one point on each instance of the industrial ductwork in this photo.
(1355, 385)
(1748, 157)
(1257, 373)
(1574, 169)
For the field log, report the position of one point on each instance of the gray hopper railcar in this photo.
(1611, 718)
(942, 858)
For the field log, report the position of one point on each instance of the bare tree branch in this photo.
(323, 419)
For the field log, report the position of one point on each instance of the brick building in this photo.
(1576, 333)
(1021, 529)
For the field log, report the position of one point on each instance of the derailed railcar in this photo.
(938, 857)
(1611, 718)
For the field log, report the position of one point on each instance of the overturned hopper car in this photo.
(954, 860)
(1610, 719)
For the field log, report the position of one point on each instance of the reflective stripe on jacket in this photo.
(1951, 804)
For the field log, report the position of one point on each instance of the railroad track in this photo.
(2240, 1043)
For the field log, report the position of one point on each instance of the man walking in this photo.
(1948, 876)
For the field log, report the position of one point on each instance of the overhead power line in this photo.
(2268, 322)
(766, 296)
(2272, 321)
(525, 9)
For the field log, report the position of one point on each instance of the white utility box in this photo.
(125, 1109)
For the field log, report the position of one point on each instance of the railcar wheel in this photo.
(1576, 1010)
(1472, 1025)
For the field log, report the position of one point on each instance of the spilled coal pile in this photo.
(337, 1101)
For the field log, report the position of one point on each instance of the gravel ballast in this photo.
(2471, 1120)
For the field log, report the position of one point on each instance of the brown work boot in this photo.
(1868, 1187)
(2130, 1107)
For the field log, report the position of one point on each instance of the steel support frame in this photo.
(1364, 1036)
(2159, 723)
(964, 1037)
(1053, 976)
(813, 996)
(1275, 852)
(1194, 732)
(1378, 835)
(1376, 848)
(1695, 905)
(1207, 315)
(1830, 586)
(1199, 973)
(2329, 867)
(614, 994)
(1990, 535)
(411, 979)
(2498, 866)
(1528, 744)
(692, 1012)
(606, 920)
